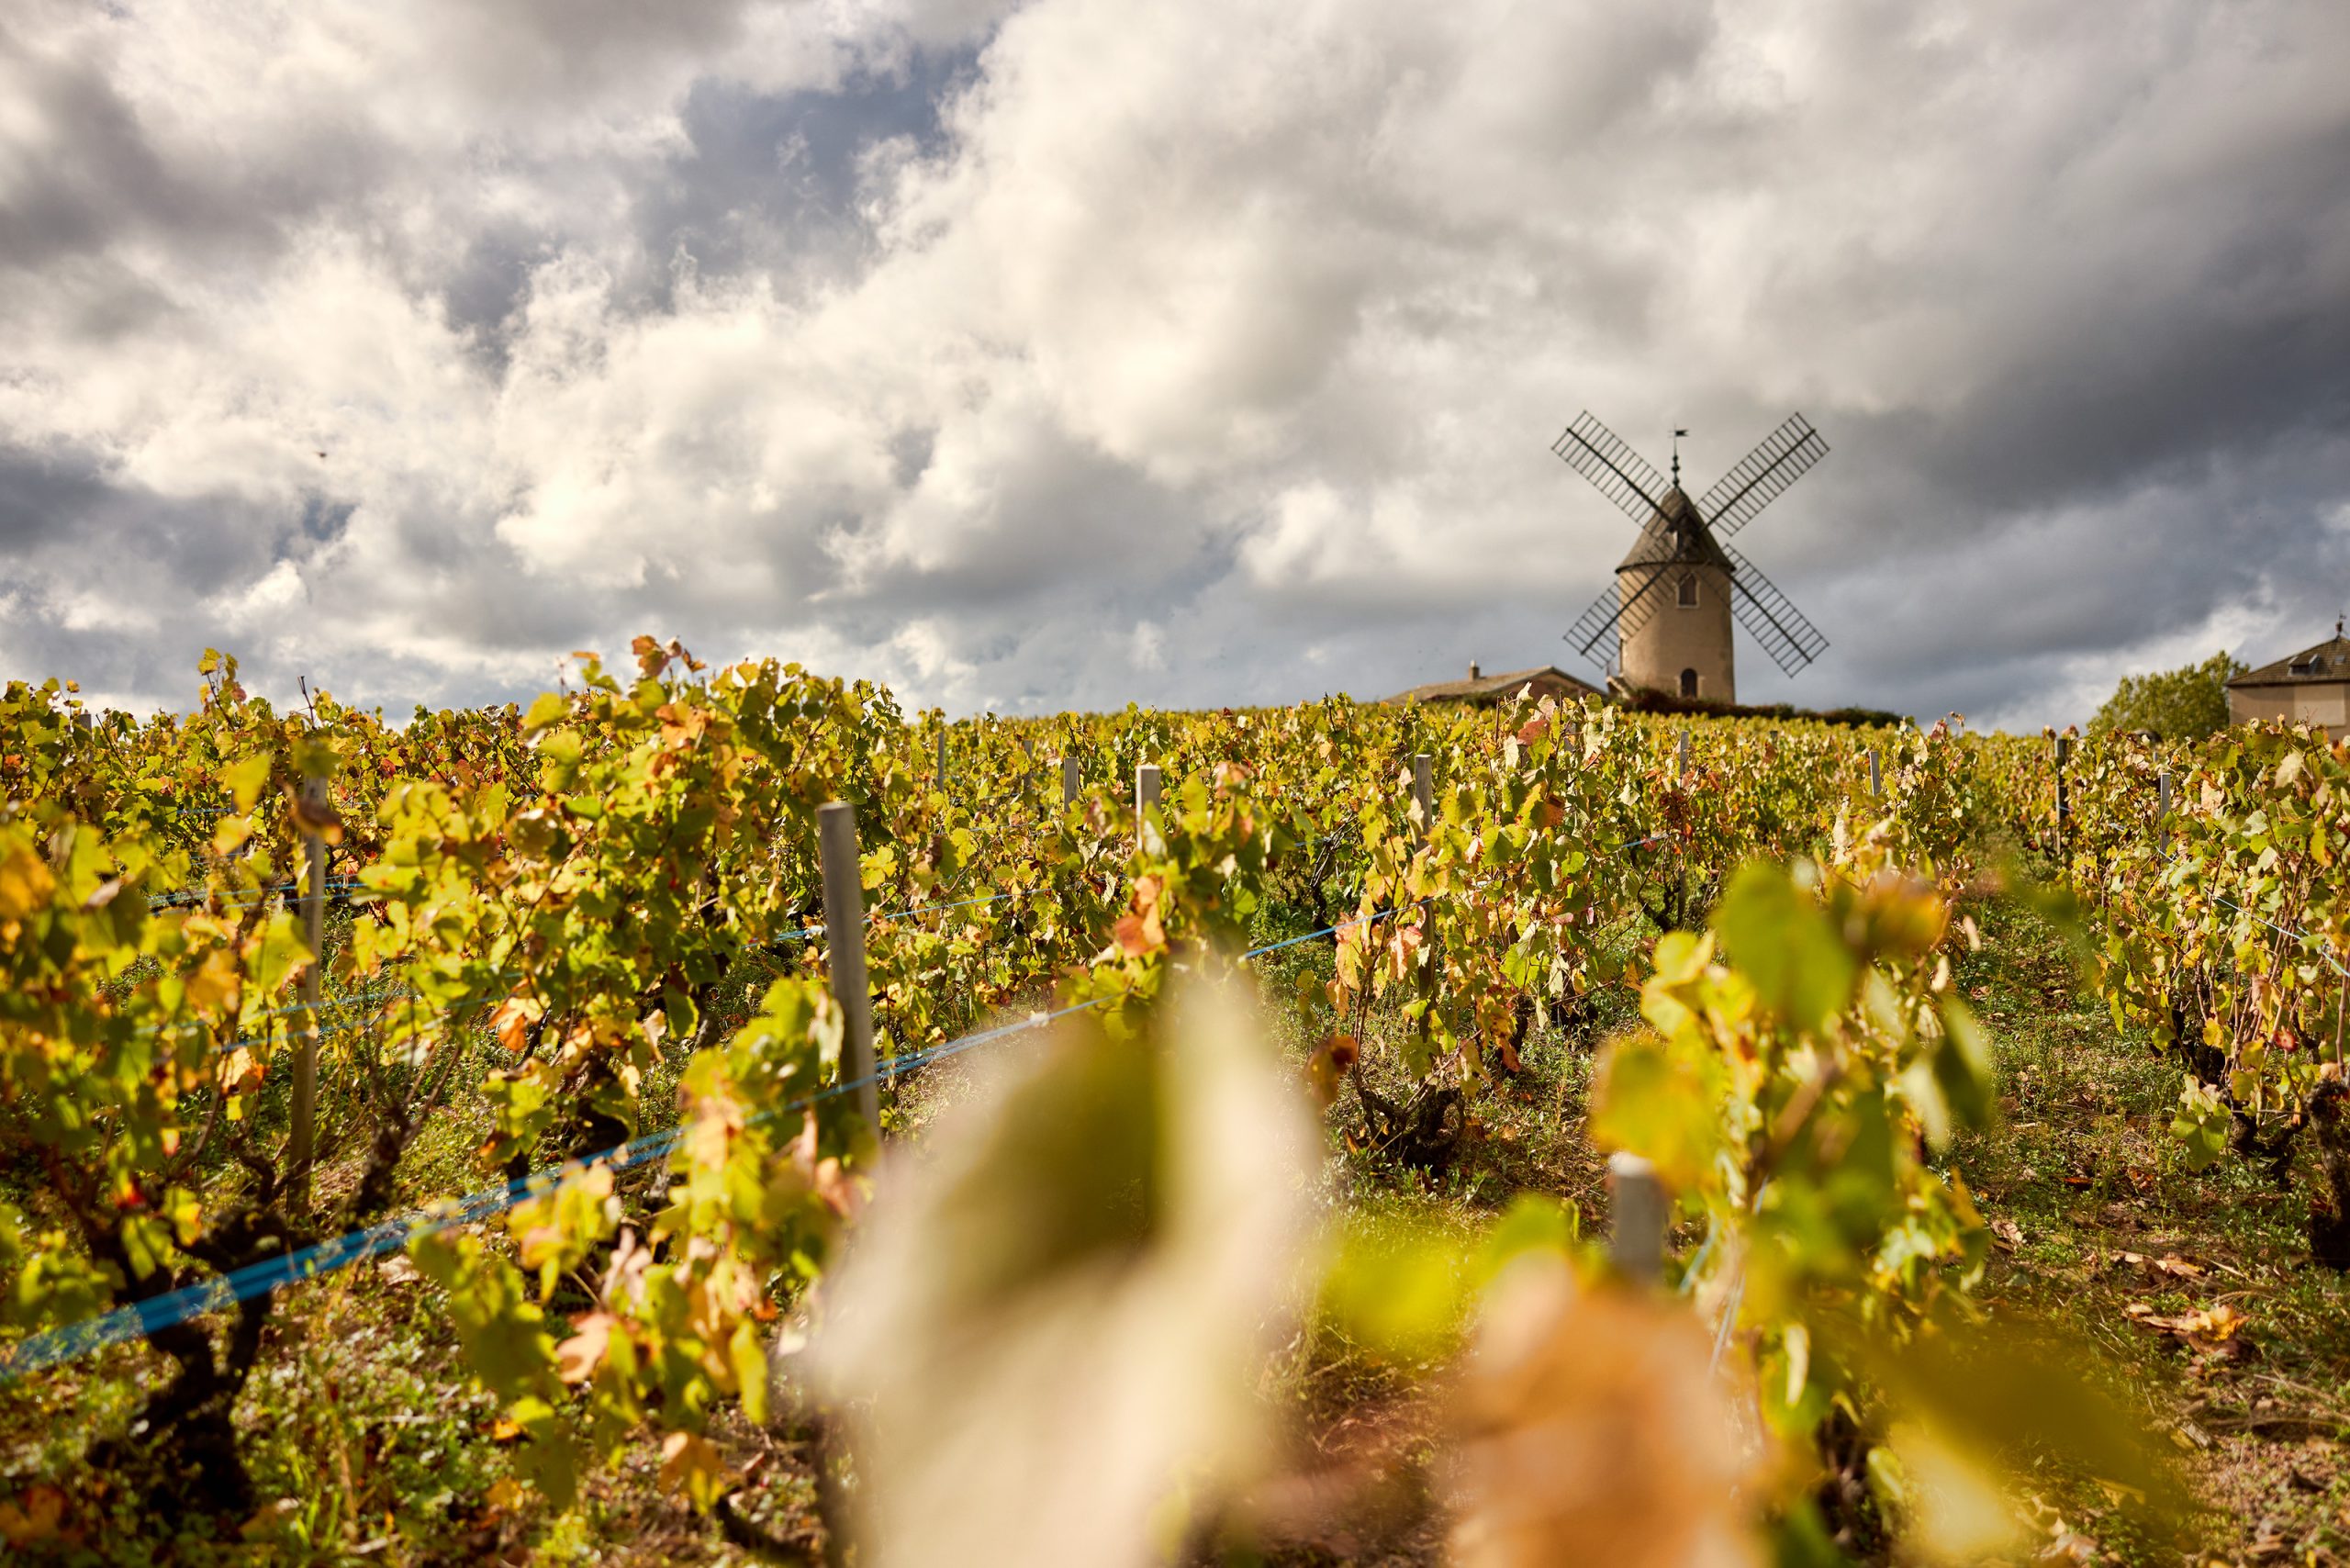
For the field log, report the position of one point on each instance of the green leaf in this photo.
(1962, 1064)
(545, 714)
(1781, 939)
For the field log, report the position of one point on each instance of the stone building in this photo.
(1679, 642)
(2311, 688)
(1481, 689)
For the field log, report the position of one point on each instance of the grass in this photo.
(2101, 1229)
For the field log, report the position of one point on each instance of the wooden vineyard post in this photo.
(1069, 780)
(844, 944)
(2064, 805)
(1876, 778)
(1423, 793)
(302, 1140)
(942, 753)
(1146, 790)
(2162, 811)
(1684, 758)
(1637, 1215)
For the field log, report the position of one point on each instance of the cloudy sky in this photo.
(1029, 356)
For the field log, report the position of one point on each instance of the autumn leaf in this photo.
(1592, 1431)
(25, 884)
(1140, 931)
(239, 1072)
(689, 1465)
(577, 1357)
(32, 1515)
(2213, 1327)
(314, 815)
(1331, 1061)
(511, 1023)
(213, 982)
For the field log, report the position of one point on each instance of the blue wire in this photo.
(141, 1318)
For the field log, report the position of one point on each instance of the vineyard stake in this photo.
(1684, 757)
(942, 753)
(301, 1141)
(2161, 809)
(1636, 1206)
(2063, 803)
(1146, 789)
(1069, 780)
(845, 936)
(1876, 780)
(1424, 792)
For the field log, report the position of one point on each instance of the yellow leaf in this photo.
(213, 983)
(690, 1464)
(244, 778)
(25, 884)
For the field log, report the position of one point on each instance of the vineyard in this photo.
(714, 1114)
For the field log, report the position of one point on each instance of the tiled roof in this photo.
(1495, 686)
(2330, 660)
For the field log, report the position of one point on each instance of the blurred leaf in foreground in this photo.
(1049, 1335)
(1593, 1431)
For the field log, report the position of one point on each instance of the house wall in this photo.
(2325, 702)
(2259, 703)
(1677, 637)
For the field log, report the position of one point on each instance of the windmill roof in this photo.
(1486, 687)
(1675, 535)
(2330, 660)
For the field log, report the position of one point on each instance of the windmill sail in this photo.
(1761, 477)
(1772, 618)
(1623, 476)
(1598, 632)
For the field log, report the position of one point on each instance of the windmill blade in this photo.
(1594, 633)
(1761, 477)
(1790, 640)
(1598, 627)
(1593, 451)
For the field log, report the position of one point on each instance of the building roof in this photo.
(2330, 660)
(1676, 534)
(1482, 688)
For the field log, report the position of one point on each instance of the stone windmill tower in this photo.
(1666, 625)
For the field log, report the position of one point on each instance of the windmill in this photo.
(1666, 624)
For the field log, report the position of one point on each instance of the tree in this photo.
(2180, 704)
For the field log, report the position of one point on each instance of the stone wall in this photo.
(1677, 636)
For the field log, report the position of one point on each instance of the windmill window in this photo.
(1688, 683)
(1685, 593)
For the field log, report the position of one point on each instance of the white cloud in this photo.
(1233, 335)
